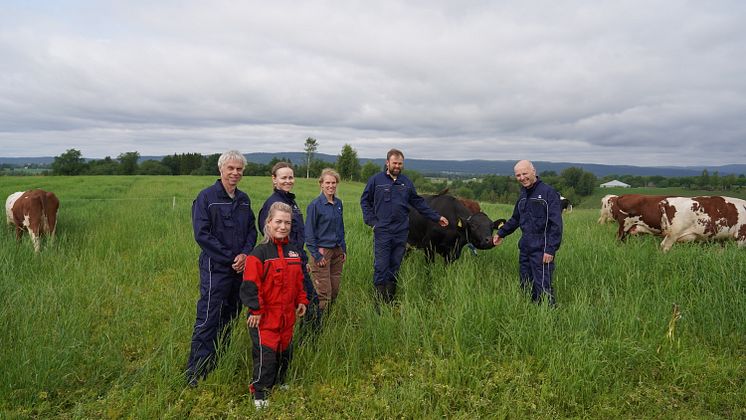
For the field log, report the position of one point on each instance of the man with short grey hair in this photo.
(225, 230)
(539, 215)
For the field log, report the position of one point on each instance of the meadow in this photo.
(98, 325)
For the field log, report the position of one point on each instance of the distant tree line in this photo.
(573, 182)
(72, 162)
(705, 181)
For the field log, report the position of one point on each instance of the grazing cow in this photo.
(637, 214)
(34, 211)
(565, 204)
(607, 204)
(702, 218)
(464, 227)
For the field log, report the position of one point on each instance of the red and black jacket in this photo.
(273, 279)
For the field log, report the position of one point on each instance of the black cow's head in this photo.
(479, 230)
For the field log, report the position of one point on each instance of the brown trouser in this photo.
(326, 279)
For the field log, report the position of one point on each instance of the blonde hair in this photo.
(328, 171)
(274, 208)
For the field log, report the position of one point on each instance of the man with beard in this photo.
(385, 204)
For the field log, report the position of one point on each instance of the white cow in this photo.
(702, 218)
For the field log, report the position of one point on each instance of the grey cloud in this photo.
(577, 81)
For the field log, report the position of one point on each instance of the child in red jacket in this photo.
(273, 291)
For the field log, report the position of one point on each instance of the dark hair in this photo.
(394, 152)
(280, 165)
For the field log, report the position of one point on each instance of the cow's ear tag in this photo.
(459, 223)
(500, 225)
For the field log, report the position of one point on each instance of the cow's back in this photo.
(9, 202)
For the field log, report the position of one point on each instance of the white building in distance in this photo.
(614, 183)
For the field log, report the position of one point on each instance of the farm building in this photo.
(614, 183)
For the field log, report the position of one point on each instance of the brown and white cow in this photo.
(635, 213)
(638, 213)
(702, 218)
(34, 211)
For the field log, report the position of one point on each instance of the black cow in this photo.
(464, 227)
(565, 204)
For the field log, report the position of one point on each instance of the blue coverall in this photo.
(224, 228)
(385, 204)
(539, 215)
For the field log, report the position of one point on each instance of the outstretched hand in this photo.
(443, 221)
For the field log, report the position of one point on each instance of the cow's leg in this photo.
(430, 253)
(621, 234)
(35, 240)
(667, 243)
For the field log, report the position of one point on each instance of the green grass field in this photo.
(98, 325)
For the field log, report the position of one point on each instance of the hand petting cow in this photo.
(34, 211)
(464, 227)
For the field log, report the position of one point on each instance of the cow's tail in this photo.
(43, 220)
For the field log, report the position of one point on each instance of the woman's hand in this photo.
(253, 321)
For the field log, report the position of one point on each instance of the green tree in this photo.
(153, 167)
(105, 166)
(704, 180)
(368, 170)
(69, 163)
(586, 184)
(172, 162)
(255, 169)
(310, 148)
(128, 163)
(571, 176)
(348, 164)
(209, 165)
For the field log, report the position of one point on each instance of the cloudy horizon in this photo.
(637, 83)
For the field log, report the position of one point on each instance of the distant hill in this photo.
(505, 167)
(465, 167)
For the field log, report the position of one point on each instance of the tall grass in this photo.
(98, 325)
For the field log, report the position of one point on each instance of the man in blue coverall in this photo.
(385, 203)
(538, 213)
(224, 228)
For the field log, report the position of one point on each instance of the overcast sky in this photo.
(618, 82)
